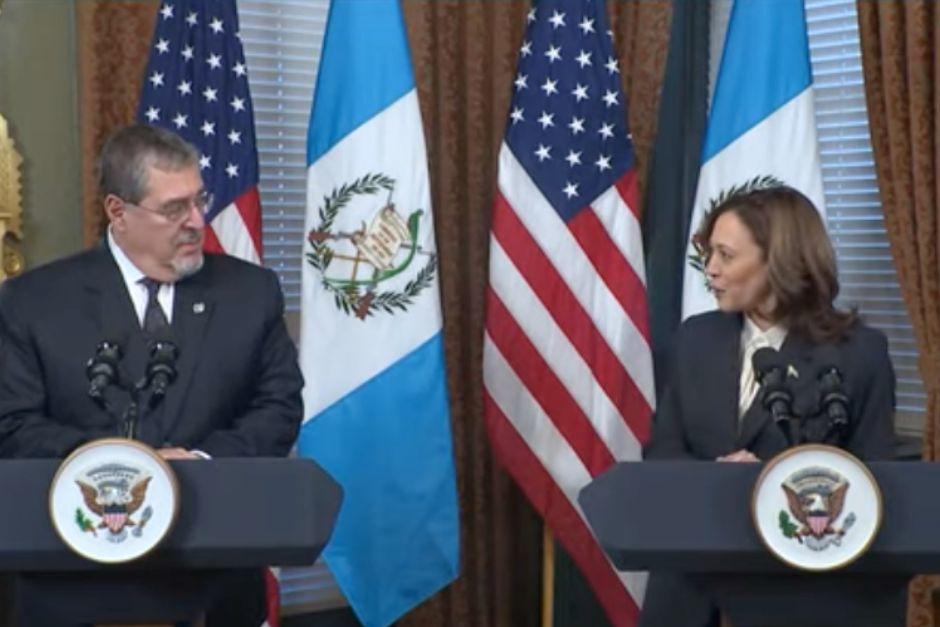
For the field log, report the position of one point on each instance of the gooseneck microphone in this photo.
(161, 370)
(102, 370)
(833, 400)
(771, 372)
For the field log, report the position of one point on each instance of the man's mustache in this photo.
(189, 236)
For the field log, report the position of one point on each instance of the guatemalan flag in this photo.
(371, 339)
(761, 129)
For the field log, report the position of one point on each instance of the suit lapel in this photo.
(795, 349)
(192, 309)
(113, 311)
(720, 371)
(109, 299)
(731, 350)
(727, 368)
(110, 310)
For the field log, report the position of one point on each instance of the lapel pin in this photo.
(198, 308)
(791, 372)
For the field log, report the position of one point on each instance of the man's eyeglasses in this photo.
(177, 210)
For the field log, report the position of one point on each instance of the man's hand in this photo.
(743, 455)
(177, 453)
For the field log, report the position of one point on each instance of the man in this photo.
(237, 385)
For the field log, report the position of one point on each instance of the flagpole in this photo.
(548, 576)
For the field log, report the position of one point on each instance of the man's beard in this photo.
(190, 264)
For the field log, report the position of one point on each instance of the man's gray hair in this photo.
(128, 155)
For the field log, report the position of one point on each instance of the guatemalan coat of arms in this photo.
(367, 250)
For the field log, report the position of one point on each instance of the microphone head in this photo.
(163, 351)
(109, 350)
(102, 369)
(766, 359)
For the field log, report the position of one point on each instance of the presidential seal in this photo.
(113, 500)
(816, 507)
(367, 251)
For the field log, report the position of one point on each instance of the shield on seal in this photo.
(817, 523)
(115, 520)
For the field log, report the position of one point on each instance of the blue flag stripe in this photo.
(386, 567)
(364, 68)
(757, 34)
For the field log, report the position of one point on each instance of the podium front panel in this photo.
(695, 517)
(234, 513)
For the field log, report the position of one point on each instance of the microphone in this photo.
(771, 372)
(102, 369)
(161, 369)
(833, 399)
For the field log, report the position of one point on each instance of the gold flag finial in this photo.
(11, 204)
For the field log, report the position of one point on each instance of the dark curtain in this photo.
(902, 70)
(113, 43)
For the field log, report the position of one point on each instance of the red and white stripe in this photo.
(567, 366)
(236, 230)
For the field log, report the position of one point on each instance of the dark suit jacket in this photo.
(697, 416)
(238, 388)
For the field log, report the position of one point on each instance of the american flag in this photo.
(197, 86)
(567, 365)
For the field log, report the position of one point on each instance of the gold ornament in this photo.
(11, 207)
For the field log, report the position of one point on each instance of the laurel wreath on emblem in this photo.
(764, 181)
(361, 297)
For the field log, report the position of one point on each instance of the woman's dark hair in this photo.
(801, 264)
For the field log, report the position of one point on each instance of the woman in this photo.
(771, 267)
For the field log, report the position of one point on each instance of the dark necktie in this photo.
(155, 322)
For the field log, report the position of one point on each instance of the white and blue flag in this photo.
(371, 339)
(761, 128)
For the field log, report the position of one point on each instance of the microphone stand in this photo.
(834, 404)
(160, 367)
(777, 400)
(104, 370)
(796, 436)
(159, 374)
(132, 411)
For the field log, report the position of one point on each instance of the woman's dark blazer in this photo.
(697, 416)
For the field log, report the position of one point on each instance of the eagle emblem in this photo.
(815, 498)
(113, 492)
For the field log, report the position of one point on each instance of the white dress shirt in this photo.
(137, 291)
(753, 339)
